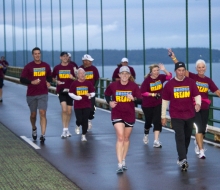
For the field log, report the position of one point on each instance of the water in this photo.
(139, 69)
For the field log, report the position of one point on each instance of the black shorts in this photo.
(201, 120)
(122, 121)
(1, 82)
(64, 97)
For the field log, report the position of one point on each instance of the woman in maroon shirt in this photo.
(120, 95)
(204, 84)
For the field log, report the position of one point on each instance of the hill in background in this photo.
(113, 57)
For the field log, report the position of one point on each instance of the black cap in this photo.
(179, 64)
(63, 53)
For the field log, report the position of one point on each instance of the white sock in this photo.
(123, 162)
(120, 165)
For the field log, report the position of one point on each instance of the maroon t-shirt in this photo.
(125, 108)
(152, 86)
(74, 64)
(33, 71)
(116, 72)
(92, 73)
(1, 70)
(80, 89)
(180, 94)
(204, 85)
(63, 74)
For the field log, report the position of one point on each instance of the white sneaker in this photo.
(157, 144)
(145, 139)
(77, 130)
(89, 125)
(196, 147)
(83, 138)
(202, 154)
(63, 135)
(68, 134)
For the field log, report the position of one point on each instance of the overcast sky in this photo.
(165, 24)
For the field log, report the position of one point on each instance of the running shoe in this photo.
(68, 134)
(124, 167)
(63, 135)
(119, 171)
(89, 125)
(83, 138)
(42, 138)
(77, 130)
(34, 134)
(157, 144)
(202, 154)
(196, 147)
(183, 164)
(146, 139)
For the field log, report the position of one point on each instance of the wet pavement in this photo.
(92, 165)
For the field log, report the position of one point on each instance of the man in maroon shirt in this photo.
(72, 62)
(92, 75)
(124, 62)
(180, 92)
(63, 75)
(5, 65)
(37, 76)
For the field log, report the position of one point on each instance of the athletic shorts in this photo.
(114, 121)
(64, 97)
(1, 82)
(201, 120)
(37, 102)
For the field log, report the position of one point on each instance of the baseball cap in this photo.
(124, 69)
(124, 59)
(63, 53)
(179, 64)
(87, 57)
(69, 54)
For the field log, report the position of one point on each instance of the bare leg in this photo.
(64, 113)
(127, 133)
(33, 118)
(0, 93)
(43, 121)
(156, 135)
(199, 140)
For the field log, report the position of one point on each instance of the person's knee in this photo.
(42, 113)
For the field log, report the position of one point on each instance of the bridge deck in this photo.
(92, 165)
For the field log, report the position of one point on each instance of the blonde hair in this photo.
(151, 67)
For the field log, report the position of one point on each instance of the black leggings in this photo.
(82, 116)
(92, 109)
(201, 120)
(152, 116)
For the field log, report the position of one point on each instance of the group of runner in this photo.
(186, 94)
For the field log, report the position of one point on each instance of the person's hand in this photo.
(197, 107)
(164, 121)
(113, 104)
(35, 82)
(171, 54)
(161, 66)
(59, 82)
(130, 97)
(48, 84)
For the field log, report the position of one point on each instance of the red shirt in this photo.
(204, 85)
(1, 70)
(180, 94)
(80, 89)
(63, 74)
(116, 72)
(152, 86)
(125, 108)
(92, 73)
(33, 71)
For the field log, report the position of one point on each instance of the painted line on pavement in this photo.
(30, 142)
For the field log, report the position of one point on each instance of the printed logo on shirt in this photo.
(39, 72)
(182, 92)
(203, 87)
(156, 86)
(64, 74)
(121, 96)
(89, 75)
(81, 90)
